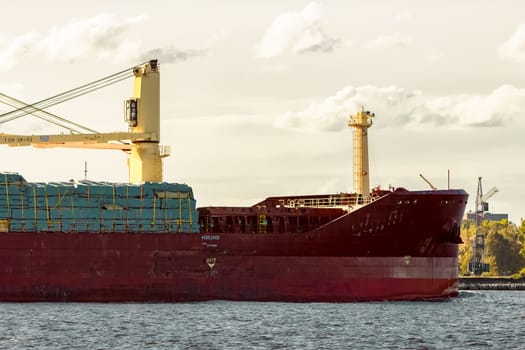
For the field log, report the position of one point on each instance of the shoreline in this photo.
(491, 283)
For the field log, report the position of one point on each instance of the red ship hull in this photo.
(403, 246)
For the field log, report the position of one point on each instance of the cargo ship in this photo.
(146, 240)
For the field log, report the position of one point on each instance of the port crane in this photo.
(477, 265)
(142, 113)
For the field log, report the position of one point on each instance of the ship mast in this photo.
(361, 177)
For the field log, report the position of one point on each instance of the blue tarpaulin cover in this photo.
(89, 206)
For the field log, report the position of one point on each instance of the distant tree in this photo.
(491, 260)
(521, 232)
(520, 274)
(504, 246)
(468, 230)
(505, 253)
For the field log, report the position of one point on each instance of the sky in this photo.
(255, 96)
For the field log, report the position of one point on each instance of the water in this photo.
(484, 319)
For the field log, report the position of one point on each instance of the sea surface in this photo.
(475, 320)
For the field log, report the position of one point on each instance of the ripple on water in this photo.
(485, 319)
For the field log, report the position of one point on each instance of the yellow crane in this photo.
(141, 142)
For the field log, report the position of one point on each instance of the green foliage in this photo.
(504, 246)
(520, 274)
(491, 260)
(468, 230)
(521, 232)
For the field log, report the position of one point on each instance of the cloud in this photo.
(397, 106)
(514, 47)
(18, 47)
(296, 33)
(102, 37)
(386, 41)
(172, 54)
(503, 106)
(331, 113)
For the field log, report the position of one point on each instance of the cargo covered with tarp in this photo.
(89, 206)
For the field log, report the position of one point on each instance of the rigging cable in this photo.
(68, 95)
(20, 112)
(44, 115)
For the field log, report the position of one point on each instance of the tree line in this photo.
(504, 247)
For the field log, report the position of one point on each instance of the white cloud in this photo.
(331, 113)
(172, 54)
(394, 40)
(397, 106)
(18, 47)
(514, 47)
(101, 36)
(296, 33)
(504, 105)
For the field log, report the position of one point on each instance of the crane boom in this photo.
(142, 115)
(489, 194)
(98, 140)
